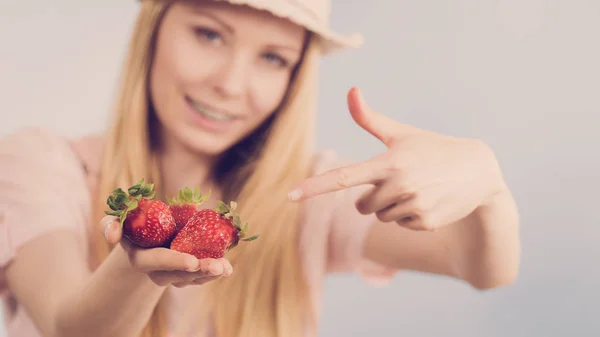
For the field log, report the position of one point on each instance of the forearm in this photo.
(115, 301)
(486, 246)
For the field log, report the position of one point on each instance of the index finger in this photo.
(368, 172)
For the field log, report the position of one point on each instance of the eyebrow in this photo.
(213, 17)
(284, 47)
(291, 48)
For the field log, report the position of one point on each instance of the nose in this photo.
(231, 79)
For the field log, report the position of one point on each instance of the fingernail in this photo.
(295, 195)
(361, 97)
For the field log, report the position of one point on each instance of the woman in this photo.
(221, 95)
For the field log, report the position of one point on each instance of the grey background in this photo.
(523, 75)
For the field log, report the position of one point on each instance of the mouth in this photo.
(210, 113)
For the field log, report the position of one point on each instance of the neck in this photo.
(181, 167)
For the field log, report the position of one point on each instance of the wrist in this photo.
(122, 266)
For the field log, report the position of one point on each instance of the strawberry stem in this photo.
(187, 196)
(227, 212)
(121, 202)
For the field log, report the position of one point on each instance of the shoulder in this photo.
(37, 150)
(88, 149)
(35, 145)
(41, 176)
(33, 139)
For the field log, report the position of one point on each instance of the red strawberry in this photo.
(185, 205)
(147, 223)
(211, 233)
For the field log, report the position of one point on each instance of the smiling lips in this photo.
(209, 113)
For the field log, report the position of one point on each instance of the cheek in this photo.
(193, 65)
(267, 93)
(176, 68)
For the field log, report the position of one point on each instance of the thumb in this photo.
(374, 123)
(382, 127)
(112, 229)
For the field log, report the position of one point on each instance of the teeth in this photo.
(210, 113)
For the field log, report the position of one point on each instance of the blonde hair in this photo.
(268, 294)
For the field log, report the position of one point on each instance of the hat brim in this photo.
(329, 40)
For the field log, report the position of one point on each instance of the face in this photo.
(219, 71)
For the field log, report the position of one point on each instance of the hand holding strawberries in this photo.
(423, 180)
(165, 266)
(178, 243)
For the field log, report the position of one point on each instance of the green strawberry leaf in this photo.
(188, 194)
(252, 238)
(236, 220)
(135, 189)
(132, 204)
(121, 202)
(222, 208)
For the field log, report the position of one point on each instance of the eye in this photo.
(208, 34)
(275, 60)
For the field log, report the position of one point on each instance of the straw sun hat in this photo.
(314, 15)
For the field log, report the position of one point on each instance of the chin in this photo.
(202, 143)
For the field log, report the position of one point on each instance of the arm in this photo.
(482, 249)
(42, 193)
(452, 210)
(114, 301)
(64, 299)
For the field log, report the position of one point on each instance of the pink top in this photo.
(36, 166)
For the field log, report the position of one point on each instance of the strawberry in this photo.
(185, 205)
(210, 233)
(146, 222)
